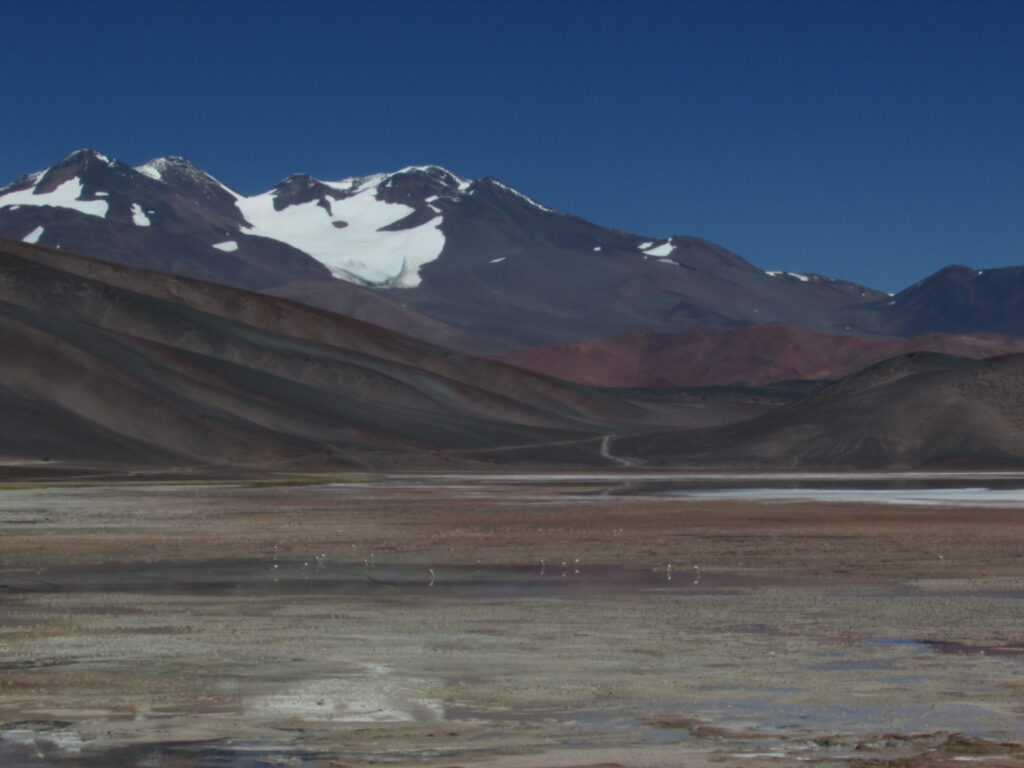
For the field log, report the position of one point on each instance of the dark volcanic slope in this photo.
(108, 363)
(956, 299)
(522, 275)
(760, 354)
(921, 409)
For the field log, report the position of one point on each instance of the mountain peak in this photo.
(82, 163)
(180, 172)
(83, 156)
(159, 166)
(434, 173)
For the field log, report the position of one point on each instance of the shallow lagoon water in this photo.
(966, 497)
(911, 488)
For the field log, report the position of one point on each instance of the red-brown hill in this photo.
(760, 354)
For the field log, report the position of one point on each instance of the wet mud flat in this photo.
(519, 621)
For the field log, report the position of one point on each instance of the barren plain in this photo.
(635, 619)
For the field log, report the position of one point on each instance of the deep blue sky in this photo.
(875, 141)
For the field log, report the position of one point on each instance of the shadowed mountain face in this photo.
(953, 300)
(107, 363)
(473, 265)
(520, 274)
(760, 354)
(917, 410)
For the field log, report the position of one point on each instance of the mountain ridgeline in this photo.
(470, 264)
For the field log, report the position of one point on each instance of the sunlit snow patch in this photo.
(150, 170)
(139, 216)
(659, 250)
(359, 250)
(33, 236)
(230, 246)
(463, 184)
(64, 196)
(779, 273)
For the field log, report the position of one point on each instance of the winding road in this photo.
(606, 445)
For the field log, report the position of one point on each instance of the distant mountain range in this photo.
(418, 319)
(470, 264)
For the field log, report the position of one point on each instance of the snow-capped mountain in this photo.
(473, 264)
(170, 216)
(375, 230)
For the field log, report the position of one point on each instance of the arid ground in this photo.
(542, 620)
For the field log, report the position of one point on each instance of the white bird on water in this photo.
(431, 576)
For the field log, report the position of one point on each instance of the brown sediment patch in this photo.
(960, 744)
(1013, 650)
